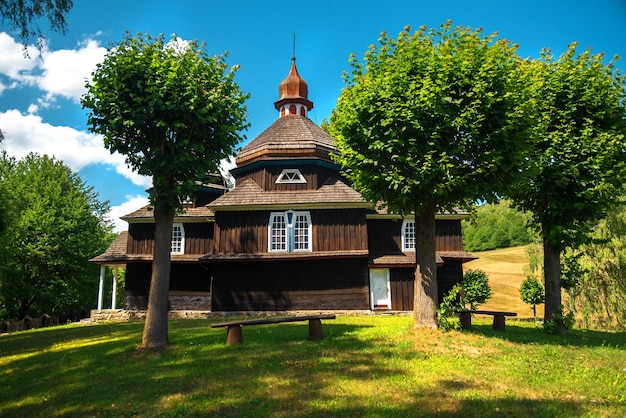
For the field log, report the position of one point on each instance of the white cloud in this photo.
(66, 71)
(57, 73)
(77, 149)
(13, 63)
(132, 204)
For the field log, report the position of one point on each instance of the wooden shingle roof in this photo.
(115, 252)
(407, 259)
(146, 214)
(291, 136)
(249, 196)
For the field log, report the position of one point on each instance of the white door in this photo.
(380, 293)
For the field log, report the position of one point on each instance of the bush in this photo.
(476, 287)
(531, 291)
(474, 290)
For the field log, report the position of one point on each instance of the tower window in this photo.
(291, 175)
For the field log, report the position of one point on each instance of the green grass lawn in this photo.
(374, 366)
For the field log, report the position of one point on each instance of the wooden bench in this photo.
(235, 336)
(498, 318)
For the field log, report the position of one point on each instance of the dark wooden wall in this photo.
(333, 230)
(198, 238)
(183, 276)
(241, 232)
(266, 177)
(449, 235)
(339, 230)
(385, 235)
(402, 281)
(291, 285)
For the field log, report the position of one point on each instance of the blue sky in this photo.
(39, 98)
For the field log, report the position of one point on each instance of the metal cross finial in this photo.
(293, 56)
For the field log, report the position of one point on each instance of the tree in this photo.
(24, 14)
(599, 267)
(476, 289)
(432, 120)
(53, 229)
(174, 112)
(579, 163)
(531, 292)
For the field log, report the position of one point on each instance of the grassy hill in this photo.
(505, 268)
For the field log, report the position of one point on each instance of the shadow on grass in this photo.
(519, 334)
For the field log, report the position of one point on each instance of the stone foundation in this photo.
(120, 315)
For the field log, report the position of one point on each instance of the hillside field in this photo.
(505, 268)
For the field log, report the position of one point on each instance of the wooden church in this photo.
(291, 235)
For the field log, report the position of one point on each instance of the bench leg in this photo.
(466, 320)
(234, 335)
(315, 330)
(499, 323)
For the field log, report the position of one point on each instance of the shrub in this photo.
(476, 287)
(531, 292)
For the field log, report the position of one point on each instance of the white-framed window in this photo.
(291, 175)
(290, 231)
(408, 235)
(178, 239)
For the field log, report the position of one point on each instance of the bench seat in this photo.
(499, 321)
(234, 334)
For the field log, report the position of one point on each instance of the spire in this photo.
(293, 93)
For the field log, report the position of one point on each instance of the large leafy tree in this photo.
(430, 120)
(24, 16)
(579, 161)
(174, 112)
(55, 224)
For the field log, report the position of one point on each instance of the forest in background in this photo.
(496, 225)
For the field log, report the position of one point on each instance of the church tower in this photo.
(293, 94)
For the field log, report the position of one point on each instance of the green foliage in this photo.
(561, 323)
(473, 290)
(433, 114)
(23, 15)
(173, 111)
(495, 225)
(446, 312)
(579, 164)
(532, 292)
(578, 167)
(433, 119)
(534, 254)
(476, 288)
(53, 229)
(599, 294)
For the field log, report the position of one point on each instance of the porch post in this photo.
(114, 289)
(100, 285)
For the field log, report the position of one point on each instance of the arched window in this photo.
(290, 231)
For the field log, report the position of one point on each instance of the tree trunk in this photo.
(552, 283)
(155, 329)
(426, 298)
